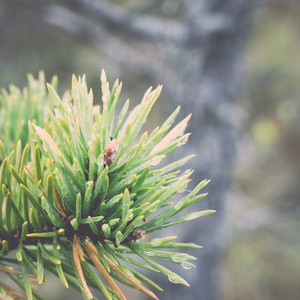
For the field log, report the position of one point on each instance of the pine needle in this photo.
(89, 248)
(116, 269)
(77, 252)
(174, 133)
(30, 173)
(12, 271)
(59, 203)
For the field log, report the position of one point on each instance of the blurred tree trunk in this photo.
(195, 49)
(208, 84)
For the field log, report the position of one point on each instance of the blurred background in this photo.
(234, 64)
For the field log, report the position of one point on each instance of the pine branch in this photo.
(83, 193)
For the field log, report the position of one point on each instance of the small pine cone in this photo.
(110, 152)
(136, 234)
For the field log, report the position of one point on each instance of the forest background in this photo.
(251, 245)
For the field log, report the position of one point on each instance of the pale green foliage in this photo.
(92, 175)
(17, 107)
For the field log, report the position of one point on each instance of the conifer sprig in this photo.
(87, 194)
(18, 106)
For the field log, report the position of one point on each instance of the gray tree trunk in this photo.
(208, 84)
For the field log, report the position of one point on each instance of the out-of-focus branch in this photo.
(79, 25)
(119, 49)
(148, 27)
(117, 18)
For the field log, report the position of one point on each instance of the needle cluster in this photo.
(88, 189)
